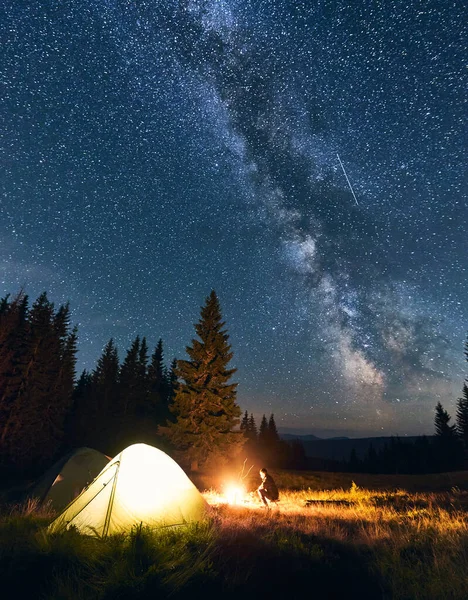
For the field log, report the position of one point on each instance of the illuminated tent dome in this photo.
(68, 477)
(140, 485)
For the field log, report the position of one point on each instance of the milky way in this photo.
(155, 150)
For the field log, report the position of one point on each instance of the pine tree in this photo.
(273, 436)
(129, 380)
(449, 454)
(35, 428)
(66, 351)
(263, 433)
(205, 402)
(172, 382)
(158, 384)
(441, 423)
(83, 384)
(94, 418)
(14, 360)
(462, 411)
(78, 421)
(5, 305)
(249, 430)
(462, 417)
(52, 375)
(252, 429)
(33, 433)
(156, 368)
(252, 436)
(105, 383)
(277, 451)
(244, 426)
(263, 448)
(142, 392)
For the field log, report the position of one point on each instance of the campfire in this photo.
(232, 494)
(235, 494)
(233, 491)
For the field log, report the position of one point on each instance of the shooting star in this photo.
(349, 183)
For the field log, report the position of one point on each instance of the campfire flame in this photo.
(234, 494)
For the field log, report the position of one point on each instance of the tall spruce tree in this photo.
(275, 449)
(244, 426)
(129, 381)
(142, 406)
(77, 421)
(462, 417)
(51, 377)
(105, 382)
(273, 436)
(252, 428)
(263, 441)
(252, 436)
(205, 401)
(462, 411)
(156, 368)
(441, 423)
(35, 427)
(93, 421)
(172, 381)
(249, 430)
(449, 451)
(66, 364)
(263, 433)
(158, 384)
(14, 360)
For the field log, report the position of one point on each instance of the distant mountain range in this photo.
(340, 448)
(307, 438)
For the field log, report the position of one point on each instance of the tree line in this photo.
(264, 445)
(37, 376)
(188, 407)
(118, 404)
(446, 451)
(451, 441)
(44, 411)
(402, 456)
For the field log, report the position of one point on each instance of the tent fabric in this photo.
(143, 485)
(65, 480)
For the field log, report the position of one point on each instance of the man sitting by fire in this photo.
(267, 490)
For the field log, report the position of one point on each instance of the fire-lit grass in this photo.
(365, 515)
(414, 544)
(329, 543)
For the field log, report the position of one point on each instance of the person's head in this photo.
(263, 473)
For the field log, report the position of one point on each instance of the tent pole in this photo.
(111, 499)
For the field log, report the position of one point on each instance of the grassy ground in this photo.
(327, 538)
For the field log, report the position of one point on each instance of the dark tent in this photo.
(66, 479)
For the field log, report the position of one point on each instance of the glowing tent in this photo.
(140, 485)
(68, 477)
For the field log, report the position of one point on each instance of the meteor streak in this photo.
(349, 183)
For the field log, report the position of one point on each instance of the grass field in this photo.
(327, 538)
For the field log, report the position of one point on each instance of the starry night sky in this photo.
(153, 150)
